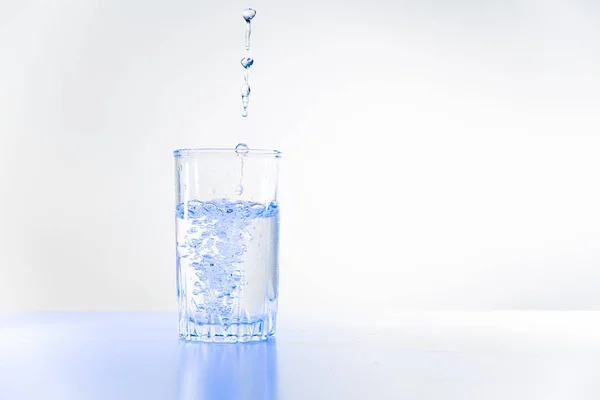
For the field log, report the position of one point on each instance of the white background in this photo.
(437, 154)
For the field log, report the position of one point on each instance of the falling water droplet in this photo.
(247, 37)
(242, 149)
(245, 98)
(247, 62)
(248, 14)
(239, 190)
(245, 90)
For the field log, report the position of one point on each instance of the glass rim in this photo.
(224, 151)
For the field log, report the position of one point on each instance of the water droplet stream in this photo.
(241, 150)
(248, 14)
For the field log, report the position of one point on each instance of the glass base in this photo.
(234, 333)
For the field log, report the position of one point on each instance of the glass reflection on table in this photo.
(227, 371)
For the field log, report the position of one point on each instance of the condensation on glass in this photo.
(227, 243)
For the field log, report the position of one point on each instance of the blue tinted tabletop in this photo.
(126, 355)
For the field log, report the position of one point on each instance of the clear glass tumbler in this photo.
(227, 233)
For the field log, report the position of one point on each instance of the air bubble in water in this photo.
(247, 62)
(248, 14)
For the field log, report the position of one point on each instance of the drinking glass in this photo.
(227, 243)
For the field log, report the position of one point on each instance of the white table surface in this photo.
(431, 355)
